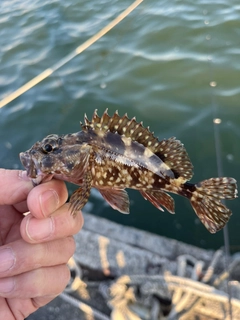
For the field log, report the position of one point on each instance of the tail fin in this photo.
(206, 201)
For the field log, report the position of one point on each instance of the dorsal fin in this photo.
(123, 126)
(171, 151)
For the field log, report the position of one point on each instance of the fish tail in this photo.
(206, 199)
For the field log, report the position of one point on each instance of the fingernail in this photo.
(7, 259)
(39, 229)
(6, 285)
(49, 201)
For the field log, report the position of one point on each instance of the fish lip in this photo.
(36, 181)
(29, 164)
(32, 166)
(42, 178)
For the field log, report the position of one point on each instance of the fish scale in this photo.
(113, 153)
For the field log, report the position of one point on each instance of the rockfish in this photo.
(114, 153)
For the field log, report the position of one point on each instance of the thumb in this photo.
(14, 186)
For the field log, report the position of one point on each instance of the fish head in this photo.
(56, 156)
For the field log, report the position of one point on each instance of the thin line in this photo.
(220, 174)
(69, 57)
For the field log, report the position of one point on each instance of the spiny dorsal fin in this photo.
(171, 151)
(123, 126)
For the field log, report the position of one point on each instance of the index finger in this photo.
(14, 186)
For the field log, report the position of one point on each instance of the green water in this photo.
(158, 65)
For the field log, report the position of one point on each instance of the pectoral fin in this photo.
(117, 198)
(80, 197)
(158, 198)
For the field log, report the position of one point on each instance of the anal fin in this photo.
(117, 198)
(158, 199)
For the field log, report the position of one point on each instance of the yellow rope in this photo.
(69, 57)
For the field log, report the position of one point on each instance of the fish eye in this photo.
(47, 148)
(50, 143)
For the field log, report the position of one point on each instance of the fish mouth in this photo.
(33, 169)
(29, 164)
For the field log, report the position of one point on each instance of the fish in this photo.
(113, 153)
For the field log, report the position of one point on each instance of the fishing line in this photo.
(46, 73)
(216, 130)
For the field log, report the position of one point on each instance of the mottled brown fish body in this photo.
(114, 153)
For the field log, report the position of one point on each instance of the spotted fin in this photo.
(173, 153)
(121, 125)
(117, 198)
(170, 151)
(80, 197)
(159, 198)
(206, 201)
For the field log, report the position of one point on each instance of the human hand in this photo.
(34, 249)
